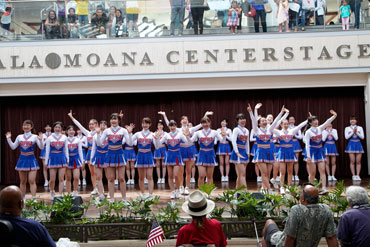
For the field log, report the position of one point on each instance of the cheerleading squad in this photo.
(275, 149)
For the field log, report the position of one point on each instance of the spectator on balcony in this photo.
(2, 7)
(201, 231)
(197, 8)
(25, 232)
(52, 26)
(72, 24)
(233, 20)
(99, 21)
(260, 14)
(111, 21)
(282, 15)
(120, 25)
(132, 11)
(356, 9)
(307, 223)
(354, 227)
(320, 12)
(306, 10)
(345, 14)
(177, 12)
(294, 8)
(6, 19)
(61, 6)
(83, 11)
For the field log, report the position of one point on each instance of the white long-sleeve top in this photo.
(270, 129)
(26, 140)
(45, 136)
(103, 145)
(229, 135)
(299, 135)
(243, 134)
(172, 139)
(207, 136)
(143, 138)
(89, 134)
(289, 133)
(83, 140)
(315, 133)
(349, 132)
(73, 144)
(252, 136)
(330, 134)
(115, 132)
(56, 140)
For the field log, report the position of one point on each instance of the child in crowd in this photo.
(6, 20)
(233, 16)
(282, 15)
(345, 13)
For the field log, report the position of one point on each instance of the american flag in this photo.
(155, 235)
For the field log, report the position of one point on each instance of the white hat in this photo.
(197, 204)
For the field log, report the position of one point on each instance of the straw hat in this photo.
(197, 204)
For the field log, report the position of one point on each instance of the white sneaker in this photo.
(64, 183)
(145, 181)
(222, 179)
(276, 185)
(163, 181)
(226, 178)
(282, 190)
(159, 181)
(358, 178)
(132, 181)
(186, 191)
(334, 179)
(296, 178)
(75, 193)
(46, 184)
(206, 180)
(277, 179)
(178, 194)
(192, 180)
(324, 191)
(108, 196)
(173, 194)
(84, 182)
(94, 192)
(116, 182)
(174, 181)
(354, 178)
(272, 180)
(330, 178)
(79, 182)
(259, 179)
(181, 189)
(52, 195)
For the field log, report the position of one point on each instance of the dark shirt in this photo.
(28, 233)
(72, 18)
(354, 228)
(258, 4)
(99, 22)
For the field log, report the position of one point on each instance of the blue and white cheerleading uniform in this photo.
(57, 155)
(44, 137)
(114, 157)
(75, 153)
(329, 136)
(296, 145)
(254, 146)
(99, 153)
(160, 153)
(89, 136)
(129, 152)
(173, 140)
(265, 151)
(275, 144)
(354, 145)
(27, 143)
(314, 142)
(240, 141)
(206, 138)
(83, 140)
(224, 148)
(144, 158)
(286, 152)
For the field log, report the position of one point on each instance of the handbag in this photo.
(252, 12)
(268, 8)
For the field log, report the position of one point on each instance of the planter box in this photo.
(140, 230)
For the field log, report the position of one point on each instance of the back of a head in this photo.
(357, 196)
(11, 200)
(311, 194)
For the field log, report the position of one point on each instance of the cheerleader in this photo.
(47, 128)
(329, 136)
(83, 140)
(315, 153)
(130, 157)
(193, 170)
(114, 158)
(93, 124)
(187, 149)
(160, 155)
(56, 157)
(173, 160)
(27, 165)
(98, 154)
(224, 151)
(286, 155)
(240, 153)
(354, 134)
(206, 160)
(264, 153)
(296, 146)
(252, 153)
(75, 160)
(144, 159)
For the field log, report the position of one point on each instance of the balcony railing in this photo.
(92, 19)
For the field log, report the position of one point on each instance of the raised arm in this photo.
(278, 117)
(12, 145)
(299, 127)
(331, 119)
(199, 126)
(80, 151)
(78, 124)
(164, 117)
(283, 118)
(254, 123)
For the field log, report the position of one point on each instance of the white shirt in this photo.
(240, 131)
(171, 139)
(83, 140)
(95, 145)
(349, 132)
(54, 139)
(144, 136)
(329, 134)
(73, 143)
(229, 135)
(117, 132)
(22, 139)
(207, 135)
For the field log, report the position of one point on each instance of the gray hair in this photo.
(357, 195)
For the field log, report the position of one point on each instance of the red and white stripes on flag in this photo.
(155, 235)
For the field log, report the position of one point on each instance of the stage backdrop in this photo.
(43, 109)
